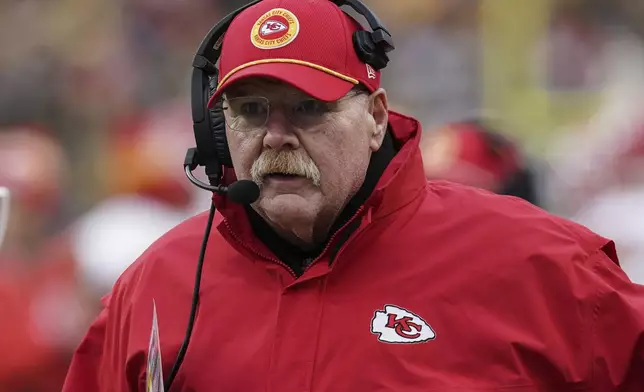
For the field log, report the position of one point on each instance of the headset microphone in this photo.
(242, 191)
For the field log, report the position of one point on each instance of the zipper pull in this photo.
(368, 215)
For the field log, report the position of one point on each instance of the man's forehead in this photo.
(263, 87)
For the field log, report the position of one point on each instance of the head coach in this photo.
(335, 265)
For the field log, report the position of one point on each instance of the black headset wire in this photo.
(195, 301)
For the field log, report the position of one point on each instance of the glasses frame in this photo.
(269, 105)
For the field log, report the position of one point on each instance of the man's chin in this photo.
(284, 200)
(287, 206)
(285, 184)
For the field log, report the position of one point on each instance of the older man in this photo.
(351, 272)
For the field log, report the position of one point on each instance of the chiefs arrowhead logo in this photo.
(275, 29)
(271, 27)
(397, 325)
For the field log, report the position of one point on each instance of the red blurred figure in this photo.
(471, 153)
(145, 156)
(33, 167)
(147, 194)
(37, 297)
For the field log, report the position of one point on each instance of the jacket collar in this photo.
(404, 177)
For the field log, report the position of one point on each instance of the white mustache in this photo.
(288, 162)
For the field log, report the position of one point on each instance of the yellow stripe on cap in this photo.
(290, 61)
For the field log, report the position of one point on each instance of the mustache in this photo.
(287, 162)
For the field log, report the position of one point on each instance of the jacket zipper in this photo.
(354, 235)
(332, 239)
(289, 269)
(256, 253)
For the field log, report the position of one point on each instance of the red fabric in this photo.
(460, 153)
(145, 155)
(29, 361)
(501, 162)
(517, 300)
(33, 167)
(322, 36)
(20, 351)
(636, 146)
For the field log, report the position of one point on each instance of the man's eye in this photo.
(311, 107)
(251, 108)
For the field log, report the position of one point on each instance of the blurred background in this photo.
(541, 99)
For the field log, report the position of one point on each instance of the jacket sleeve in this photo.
(100, 361)
(86, 364)
(618, 326)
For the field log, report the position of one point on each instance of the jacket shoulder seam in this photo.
(596, 311)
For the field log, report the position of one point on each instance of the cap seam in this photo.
(278, 5)
(291, 61)
(343, 21)
(223, 39)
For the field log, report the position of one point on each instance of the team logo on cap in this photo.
(276, 28)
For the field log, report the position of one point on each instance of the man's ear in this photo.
(379, 110)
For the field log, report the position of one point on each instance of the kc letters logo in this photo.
(398, 325)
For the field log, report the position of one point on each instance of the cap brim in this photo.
(314, 82)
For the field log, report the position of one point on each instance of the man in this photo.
(351, 272)
(471, 152)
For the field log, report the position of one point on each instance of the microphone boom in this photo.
(242, 191)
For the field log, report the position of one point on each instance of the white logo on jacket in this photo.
(398, 325)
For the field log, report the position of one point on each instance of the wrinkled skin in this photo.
(339, 148)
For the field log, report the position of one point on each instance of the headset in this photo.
(209, 126)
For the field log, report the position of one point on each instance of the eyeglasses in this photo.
(247, 114)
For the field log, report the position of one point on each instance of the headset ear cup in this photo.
(218, 126)
(367, 50)
(363, 46)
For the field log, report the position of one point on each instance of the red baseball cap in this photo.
(305, 43)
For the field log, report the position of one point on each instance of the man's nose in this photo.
(279, 132)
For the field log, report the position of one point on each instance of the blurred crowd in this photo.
(539, 99)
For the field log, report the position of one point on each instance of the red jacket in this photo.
(441, 288)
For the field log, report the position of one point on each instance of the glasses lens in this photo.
(246, 114)
(308, 113)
